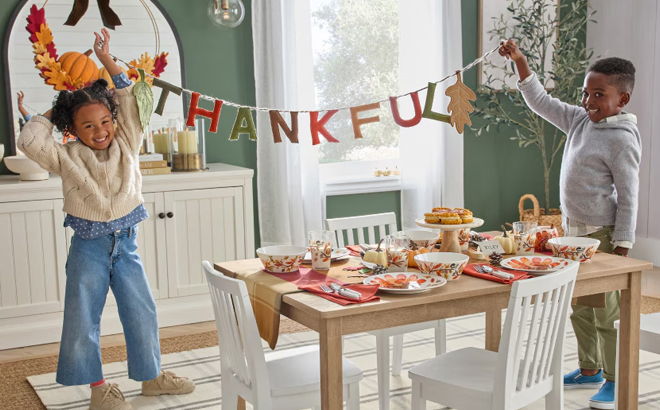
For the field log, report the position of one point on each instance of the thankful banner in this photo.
(459, 109)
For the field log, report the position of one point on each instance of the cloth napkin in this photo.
(368, 293)
(517, 274)
(355, 250)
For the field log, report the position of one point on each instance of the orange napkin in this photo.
(368, 293)
(517, 274)
(355, 250)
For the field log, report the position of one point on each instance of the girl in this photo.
(102, 184)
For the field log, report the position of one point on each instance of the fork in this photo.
(325, 288)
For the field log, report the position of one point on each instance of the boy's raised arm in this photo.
(537, 98)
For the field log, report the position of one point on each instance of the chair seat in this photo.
(295, 371)
(469, 370)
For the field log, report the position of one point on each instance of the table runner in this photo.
(266, 289)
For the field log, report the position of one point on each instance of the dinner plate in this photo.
(417, 282)
(337, 254)
(536, 264)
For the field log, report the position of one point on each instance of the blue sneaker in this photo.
(604, 399)
(576, 380)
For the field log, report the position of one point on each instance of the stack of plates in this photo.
(337, 254)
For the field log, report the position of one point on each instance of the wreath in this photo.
(73, 71)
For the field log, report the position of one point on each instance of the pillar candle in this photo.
(187, 142)
(162, 143)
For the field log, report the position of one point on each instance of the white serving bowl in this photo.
(423, 238)
(574, 248)
(2, 150)
(282, 258)
(449, 265)
(28, 169)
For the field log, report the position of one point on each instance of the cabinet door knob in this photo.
(170, 215)
(161, 215)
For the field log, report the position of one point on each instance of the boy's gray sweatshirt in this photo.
(599, 178)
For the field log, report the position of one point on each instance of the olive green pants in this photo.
(594, 327)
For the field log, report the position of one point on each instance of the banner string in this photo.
(233, 104)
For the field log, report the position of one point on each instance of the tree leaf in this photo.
(144, 97)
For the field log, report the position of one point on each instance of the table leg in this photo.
(628, 366)
(331, 365)
(241, 403)
(493, 329)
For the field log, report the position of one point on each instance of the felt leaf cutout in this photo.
(44, 36)
(57, 79)
(38, 48)
(35, 19)
(160, 63)
(145, 100)
(460, 106)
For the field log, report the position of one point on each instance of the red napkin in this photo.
(368, 293)
(517, 274)
(355, 250)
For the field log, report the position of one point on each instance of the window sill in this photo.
(362, 185)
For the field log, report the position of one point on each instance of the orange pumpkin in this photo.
(79, 66)
(415, 251)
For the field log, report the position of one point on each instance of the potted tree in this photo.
(535, 29)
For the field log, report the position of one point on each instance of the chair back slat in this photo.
(359, 223)
(241, 355)
(531, 347)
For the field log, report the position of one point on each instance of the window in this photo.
(356, 62)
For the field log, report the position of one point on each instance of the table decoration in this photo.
(450, 241)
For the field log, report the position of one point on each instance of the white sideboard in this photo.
(192, 217)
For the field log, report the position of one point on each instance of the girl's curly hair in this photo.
(68, 103)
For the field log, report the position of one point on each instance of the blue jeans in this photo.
(92, 267)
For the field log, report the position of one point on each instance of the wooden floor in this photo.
(34, 352)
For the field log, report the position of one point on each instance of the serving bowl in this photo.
(282, 258)
(423, 238)
(574, 248)
(28, 169)
(449, 265)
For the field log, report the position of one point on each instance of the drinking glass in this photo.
(524, 236)
(397, 247)
(320, 247)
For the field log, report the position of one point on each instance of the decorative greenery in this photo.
(537, 23)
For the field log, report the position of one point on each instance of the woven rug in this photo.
(203, 366)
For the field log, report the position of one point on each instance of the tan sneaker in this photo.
(167, 383)
(108, 397)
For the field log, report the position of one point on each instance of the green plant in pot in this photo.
(535, 25)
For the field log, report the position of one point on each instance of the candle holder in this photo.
(188, 148)
(160, 138)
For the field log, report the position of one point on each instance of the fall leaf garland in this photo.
(47, 61)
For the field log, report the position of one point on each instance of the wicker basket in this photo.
(537, 214)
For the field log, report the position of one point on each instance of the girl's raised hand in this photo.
(102, 45)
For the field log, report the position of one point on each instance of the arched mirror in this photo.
(145, 28)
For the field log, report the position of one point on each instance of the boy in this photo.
(598, 185)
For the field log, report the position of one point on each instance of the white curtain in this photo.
(289, 198)
(639, 43)
(430, 47)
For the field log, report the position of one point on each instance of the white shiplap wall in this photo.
(128, 41)
(640, 43)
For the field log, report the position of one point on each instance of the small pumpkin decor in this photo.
(507, 241)
(377, 256)
(415, 250)
(73, 70)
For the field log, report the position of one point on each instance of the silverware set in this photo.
(340, 290)
(497, 273)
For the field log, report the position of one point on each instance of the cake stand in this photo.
(450, 233)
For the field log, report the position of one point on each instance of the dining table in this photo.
(465, 296)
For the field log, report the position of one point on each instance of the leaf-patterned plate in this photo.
(535, 264)
(337, 254)
(405, 282)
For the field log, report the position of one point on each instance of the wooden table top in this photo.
(602, 265)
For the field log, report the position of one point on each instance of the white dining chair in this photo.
(287, 379)
(527, 367)
(649, 340)
(386, 223)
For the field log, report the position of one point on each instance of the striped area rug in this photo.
(203, 366)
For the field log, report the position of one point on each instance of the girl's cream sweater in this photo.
(98, 185)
